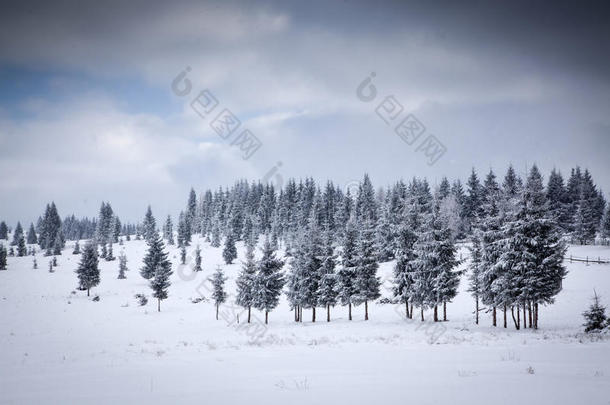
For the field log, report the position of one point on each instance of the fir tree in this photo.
(35, 264)
(328, 283)
(109, 255)
(17, 235)
(149, 226)
(367, 282)
(183, 255)
(595, 316)
(58, 244)
(159, 283)
(32, 239)
(197, 259)
(88, 271)
(76, 250)
(122, 266)
(269, 280)
(22, 249)
(155, 258)
(347, 271)
(184, 234)
(168, 231)
(2, 257)
(53, 271)
(405, 257)
(229, 253)
(215, 235)
(3, 231)
(218, 294)
(246, 281)
(474, 278)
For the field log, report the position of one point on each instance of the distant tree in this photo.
(58, 244)
(149, 226)
(35, 264)
(183, 254)
(2, 257)
(122, 265)
(109, 254)
(22, 249)
(229, 252)
(32, 239)
(218, 294)
(3, 231)
(197, 259)
(347, 271)
(595, 316)
(76, 250)
(168, 231)
(88, 271)
(17, 234)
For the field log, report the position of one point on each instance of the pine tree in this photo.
(76, 250)
(405, 256)
(328, 282)
(229, 253)
(215, 235)
(17, 234)
(605, 231)
(3, 231)
(246, 282)
(347, 271)
(109, 254)
(32, 239)
(184, 234)
(159, 283)
(58, 244)
(472, 203)
(385, 234)
(155, 258)
(168, 231)
(367, 282)
(149, 226)
(53, 271)
(35, 264)
(2, 257)
(122, 266)
(197, 259)
(22, 249)
(183, 255)
(474, 278)
(88, 271)
(595, 316)
(218, 294)
(269, 280)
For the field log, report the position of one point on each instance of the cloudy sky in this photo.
(87, 110)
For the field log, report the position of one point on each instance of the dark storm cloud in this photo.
(497, 82)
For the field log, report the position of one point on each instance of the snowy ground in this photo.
(59, 346)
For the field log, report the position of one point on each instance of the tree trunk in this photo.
(300, 313)
(313, 314)
(477, 310)
(296, 314)
(512, 312)
(444, 311)
(524, 317)
(366, 310)
(494, 316)
(422, 314)
(518, 318)
(266, 317)
(411, 311)
(536, 315)
(505, 325)
(217, 311)
(328, 313)
(407, 309)
(158, 304)
(529, 313)
(249, 310)
(350, 311)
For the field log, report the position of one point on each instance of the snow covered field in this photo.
(59, 346)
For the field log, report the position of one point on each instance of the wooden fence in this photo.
(588, 259)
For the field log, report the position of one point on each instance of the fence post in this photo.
(587, 259)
